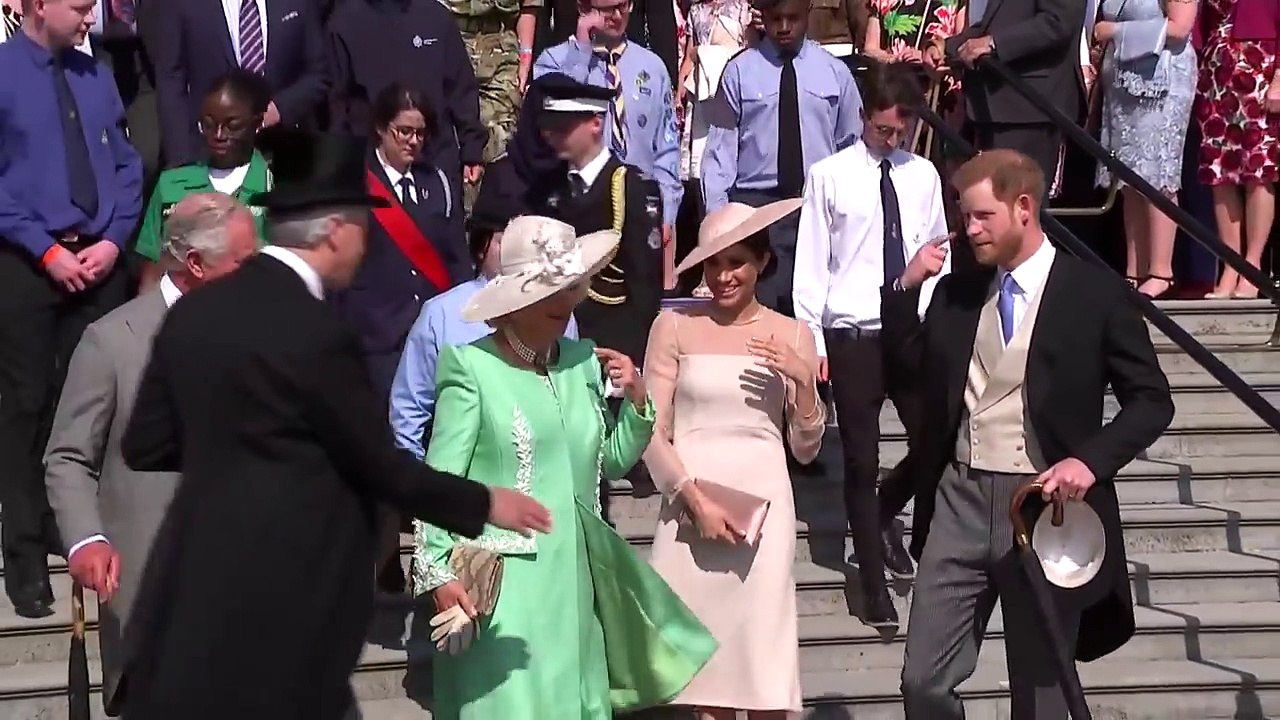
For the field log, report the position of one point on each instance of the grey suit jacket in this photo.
(90, 488)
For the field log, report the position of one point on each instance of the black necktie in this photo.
(83, 185)
(790, 153)
(577, 186)
(895, 260)
(406, 190)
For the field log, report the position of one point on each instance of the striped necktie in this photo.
(253, 52)
(617, 109)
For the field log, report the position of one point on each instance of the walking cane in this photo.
(78, 663)
(1068, 677)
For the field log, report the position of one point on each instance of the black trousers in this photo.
(1038, 141)
(862, 376)
(40, 325)
(774, 291)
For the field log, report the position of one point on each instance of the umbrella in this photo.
(78, 663)
(1068, 677)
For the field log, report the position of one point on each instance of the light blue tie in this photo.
(1004, 305)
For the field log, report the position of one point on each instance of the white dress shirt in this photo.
(308, 274)
(1029, 278)
(839, 263)
(170, 292)
(395, 176)
(591, 171)
(231, 9)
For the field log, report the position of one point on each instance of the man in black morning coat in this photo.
(257, 599)
(1017, 356)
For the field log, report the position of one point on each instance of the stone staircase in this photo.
(1201, 512)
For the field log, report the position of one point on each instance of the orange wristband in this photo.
(50, 254)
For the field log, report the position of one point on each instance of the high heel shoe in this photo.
(1168, 286)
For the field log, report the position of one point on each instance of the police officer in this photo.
(596, 191)
(70, 197)
(229, 121)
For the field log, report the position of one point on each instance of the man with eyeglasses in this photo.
(853, 242)
(640, 125)
(783, 105)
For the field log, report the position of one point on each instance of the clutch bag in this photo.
(480, 572)
(745, 511)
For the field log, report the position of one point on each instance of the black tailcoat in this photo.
(259, 591)
(1087, 336)
(632, 283)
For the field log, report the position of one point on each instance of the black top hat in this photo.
(311, 170)
(562, 93)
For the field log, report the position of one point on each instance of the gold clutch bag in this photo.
(480, 572)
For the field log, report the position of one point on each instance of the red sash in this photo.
(408, 236)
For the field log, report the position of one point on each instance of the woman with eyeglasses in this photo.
(229, 121)
(416, 250)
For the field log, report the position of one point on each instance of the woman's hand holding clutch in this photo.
(712, 521)
(454, 624)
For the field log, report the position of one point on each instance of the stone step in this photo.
(1208, 687)
(1205, 319)
(1151, 528)
(1243, 355)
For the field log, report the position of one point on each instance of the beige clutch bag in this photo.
(746, 511)
(480, 572)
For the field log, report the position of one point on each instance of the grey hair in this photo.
(198, 223)
(307, 229)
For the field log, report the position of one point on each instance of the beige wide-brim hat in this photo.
(732, 224)
(537, 257)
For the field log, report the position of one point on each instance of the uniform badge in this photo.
(645, 91)
(643, 77)
(642, 120)
(553, 201)
(655, 237)
(417, 41)
(652, 208)
(105, 139)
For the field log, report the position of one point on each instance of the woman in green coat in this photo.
(581, 627)
(229, 120)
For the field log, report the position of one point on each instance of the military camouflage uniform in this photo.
(489, 32)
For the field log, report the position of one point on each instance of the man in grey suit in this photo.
(108, 513)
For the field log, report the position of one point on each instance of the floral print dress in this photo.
(1241, 140)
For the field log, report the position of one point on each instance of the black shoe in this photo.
(879, 612)
(897, 562)
(33, 600)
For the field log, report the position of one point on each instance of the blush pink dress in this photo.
(722, 417)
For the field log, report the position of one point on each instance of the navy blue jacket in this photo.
(388, 292)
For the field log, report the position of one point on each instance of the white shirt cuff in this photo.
(86, 541)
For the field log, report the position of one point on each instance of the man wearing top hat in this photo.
(256, 600)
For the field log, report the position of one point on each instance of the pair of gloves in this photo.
(453, 630)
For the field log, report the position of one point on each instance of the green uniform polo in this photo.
(177, 183)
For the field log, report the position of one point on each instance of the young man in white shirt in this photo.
(867, 210)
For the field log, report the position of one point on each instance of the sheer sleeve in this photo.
(806, 415)
(661, 366)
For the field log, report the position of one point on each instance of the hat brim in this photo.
(504, 295)
(296, 199)
(763, 217)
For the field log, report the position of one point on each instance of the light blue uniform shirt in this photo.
(653, 144)
(413, 392)
(742, 144)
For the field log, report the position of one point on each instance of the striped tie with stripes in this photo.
(253, 52)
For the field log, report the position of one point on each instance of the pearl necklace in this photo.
(526, 353)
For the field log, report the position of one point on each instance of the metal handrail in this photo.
(1234, 384)
(1113, 193)
(1193, 227)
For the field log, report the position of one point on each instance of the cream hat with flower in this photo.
(537, 257)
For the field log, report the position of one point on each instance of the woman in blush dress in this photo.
(733, 384)
(1148, 85)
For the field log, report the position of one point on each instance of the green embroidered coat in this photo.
(583, 627)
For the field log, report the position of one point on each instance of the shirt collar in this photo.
(169, 291)
(592, 169)
(773, 52)
(1030, 276)
(308, 274)
(393, 176)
